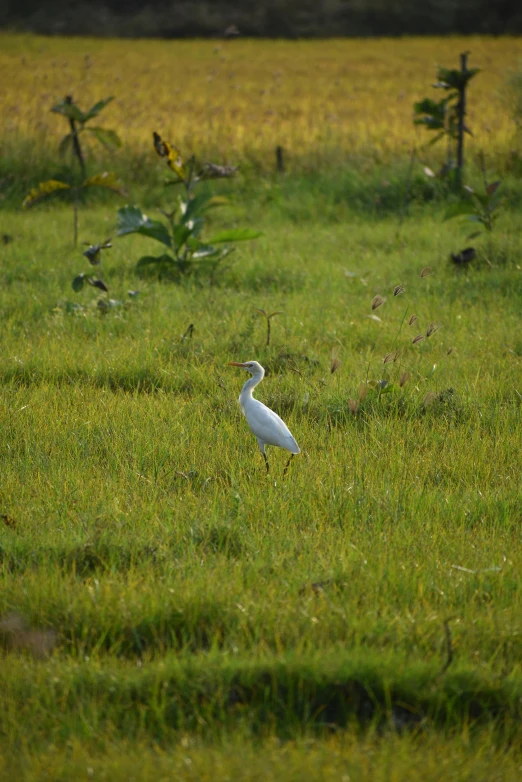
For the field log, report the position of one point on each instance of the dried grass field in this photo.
(242, 98)
(166, 610)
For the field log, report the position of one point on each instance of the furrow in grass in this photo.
(285, 695)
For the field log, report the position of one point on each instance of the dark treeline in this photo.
(266, 18)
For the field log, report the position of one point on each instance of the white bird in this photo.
(266, 425)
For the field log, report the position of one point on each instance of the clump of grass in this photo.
(390, 387)
(220, 539)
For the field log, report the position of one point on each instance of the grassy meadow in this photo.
(169, 612)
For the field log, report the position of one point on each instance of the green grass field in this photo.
(182, 584)
(169, 612)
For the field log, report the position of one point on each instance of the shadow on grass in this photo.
(99, 557)
(138, 380)
(83, 561)
(220, 539)
(280, 697)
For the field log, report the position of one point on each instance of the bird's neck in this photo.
(251, 383)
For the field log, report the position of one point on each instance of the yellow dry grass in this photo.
(240, 98)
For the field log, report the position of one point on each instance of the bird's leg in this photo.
(288, 464)
(266, 463)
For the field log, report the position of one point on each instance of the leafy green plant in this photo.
(78, 125)
(94, 256)
(74, 187)
(479, 208)
(446, 117)
(181, 233)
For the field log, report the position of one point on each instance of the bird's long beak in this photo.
(236, 364)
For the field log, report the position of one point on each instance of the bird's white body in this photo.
(267, 426)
